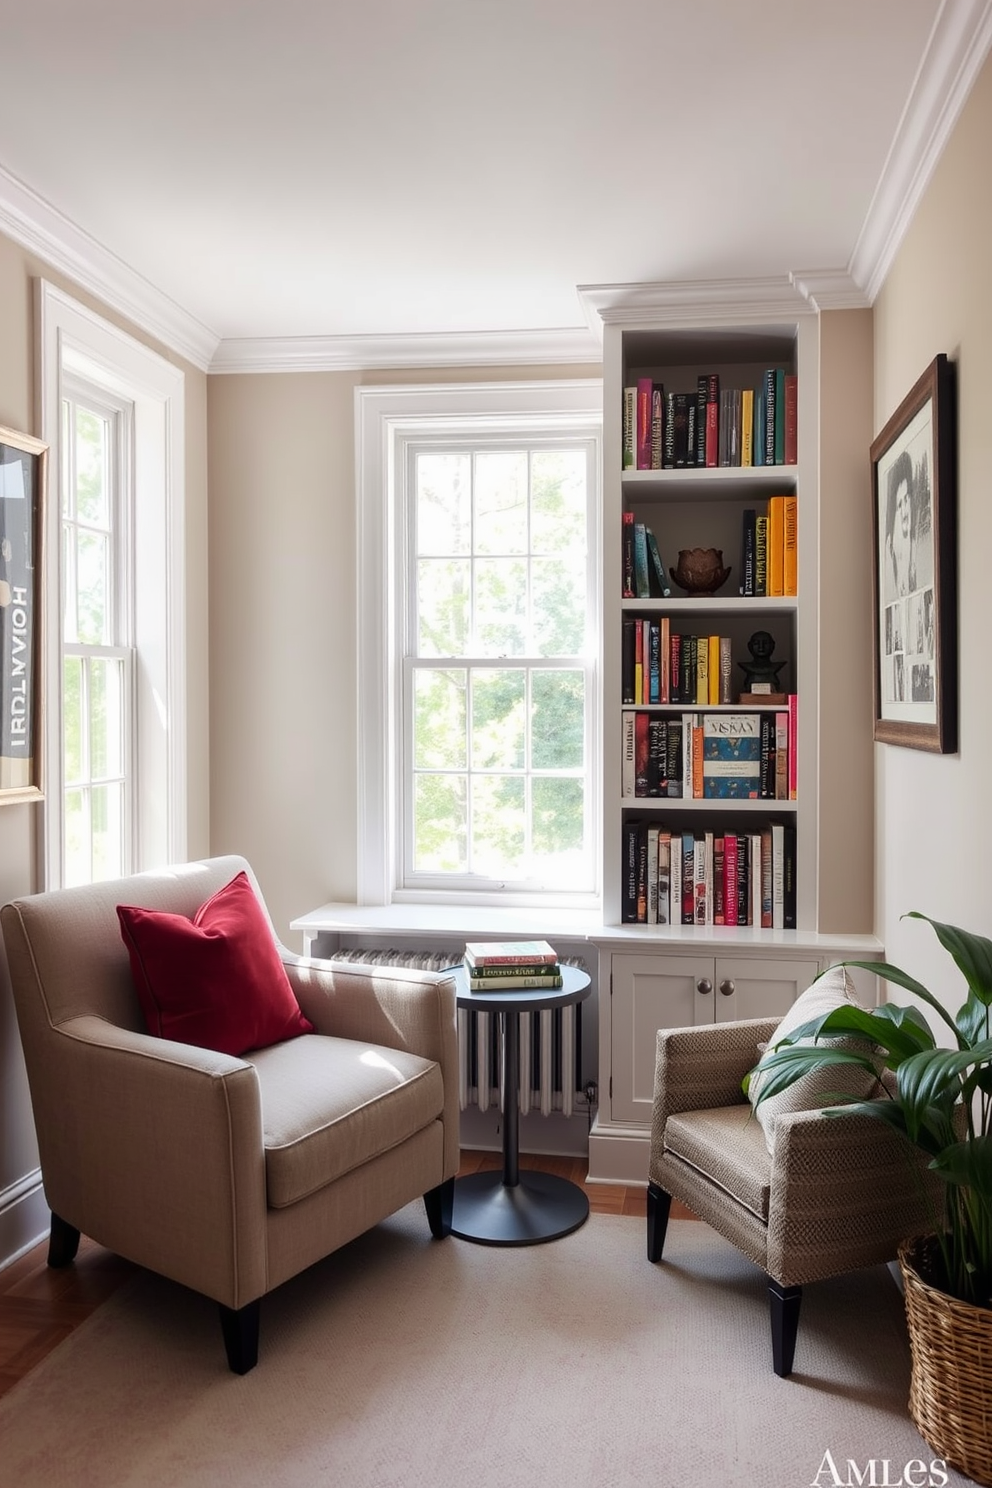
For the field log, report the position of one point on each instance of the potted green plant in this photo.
(939, 1097)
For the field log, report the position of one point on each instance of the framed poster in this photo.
(23, 469)
(914, 528)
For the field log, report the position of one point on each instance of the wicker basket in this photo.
(950, 1393)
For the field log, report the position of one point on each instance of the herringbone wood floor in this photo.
(40, 1307)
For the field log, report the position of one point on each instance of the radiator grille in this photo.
(550, 1043)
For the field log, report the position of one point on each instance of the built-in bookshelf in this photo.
(688, 414)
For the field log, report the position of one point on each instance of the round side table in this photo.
(514, 1207)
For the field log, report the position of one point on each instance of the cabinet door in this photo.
(651, 992)
(746, 988)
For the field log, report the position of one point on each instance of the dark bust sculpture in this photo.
(761, 673)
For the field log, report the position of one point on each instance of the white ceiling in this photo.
(264, 184)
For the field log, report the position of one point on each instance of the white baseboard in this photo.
(24, 1217)
(619, 1154)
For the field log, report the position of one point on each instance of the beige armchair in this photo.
(839, 1193)
(227, 1174)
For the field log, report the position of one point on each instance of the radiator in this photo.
(550, 1059)
(550, 1044)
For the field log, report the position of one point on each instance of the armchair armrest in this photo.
(844, 1191)
(170, 1140)
(399, 1007)
(699, 1068)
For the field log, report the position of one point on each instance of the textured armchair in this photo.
(227, 1174)
(839, 1192)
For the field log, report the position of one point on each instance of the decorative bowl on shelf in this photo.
(700, 571)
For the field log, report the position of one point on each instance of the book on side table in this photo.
(508, 965)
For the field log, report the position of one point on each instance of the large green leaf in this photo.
(908, 983)
(973, 1020)
(900, 1031)
(972, 954)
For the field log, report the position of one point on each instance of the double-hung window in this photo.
(115, 721)
(479, 566)
(97, 654)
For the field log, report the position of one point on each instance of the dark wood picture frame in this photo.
(23, 483)
(914, 528)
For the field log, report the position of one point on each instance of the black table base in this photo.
(539, 1206)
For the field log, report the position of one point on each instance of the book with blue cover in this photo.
(732, 756)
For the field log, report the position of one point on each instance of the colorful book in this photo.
(664, 878)
(712, 430)
(793, 773)
(769, 430)
(629, 429)
(627, 727)
(658, 581)
(747, 551)
(778, 876)
(713, 670)
(519, 984)
(642, 581)
(730, 879)
(627, 555)
(747, 426)
(782, 756)
(779, 415)
(776, 546)
(791, 419)
(641, 721)
(657, 425)
(731, 748)
(525, 972)
(790, 547)
(508, 952)
(761, 556)
(643, 446)
(675, 878)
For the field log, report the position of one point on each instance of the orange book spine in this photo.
(790, 547)
(713, 670)
(776, 545)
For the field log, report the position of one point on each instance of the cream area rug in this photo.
(404, 1362)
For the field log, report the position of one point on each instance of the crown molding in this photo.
(695, 301)
(959, 43)
(40, 228)
(830, 289)
(433, 349)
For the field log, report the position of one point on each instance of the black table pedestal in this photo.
(514, 1207)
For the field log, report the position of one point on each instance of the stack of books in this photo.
(508, 965)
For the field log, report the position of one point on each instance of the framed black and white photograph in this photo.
(23, 467)
(915, 602)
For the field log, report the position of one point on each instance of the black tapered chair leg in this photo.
(785, 1303)
(240, 1328)
(439, 1203)
(63, 1242)
(659, 1205)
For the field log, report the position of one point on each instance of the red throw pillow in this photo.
(216, 980)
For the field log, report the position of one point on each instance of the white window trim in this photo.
(73, 336)
(382, 416)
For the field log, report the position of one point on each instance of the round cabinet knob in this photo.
(727, 988)
(704, 986)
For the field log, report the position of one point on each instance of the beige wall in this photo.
(932, 811)
(283, 636)
(844, 827)
(19, 861)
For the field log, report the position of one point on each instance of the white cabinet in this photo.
(676, 991)
(680, 981)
